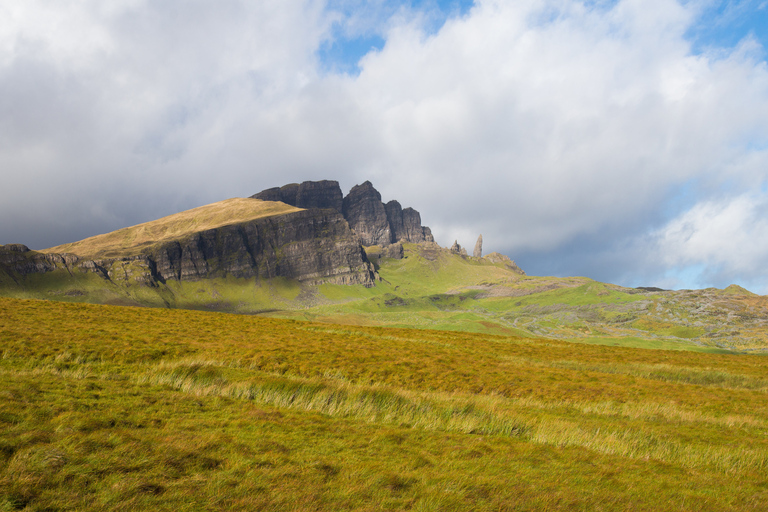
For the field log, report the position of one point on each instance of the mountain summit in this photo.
(373, 221)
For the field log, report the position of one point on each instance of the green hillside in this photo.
(441, 290)
(114, 408)
(432, 288)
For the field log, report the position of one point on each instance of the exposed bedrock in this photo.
(311, 245)
(374, 222)
(366, 215)
(309, 194)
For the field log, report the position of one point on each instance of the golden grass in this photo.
(133, 240)
(113, 408)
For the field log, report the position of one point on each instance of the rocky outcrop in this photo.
(312, 246)
(496, 257)
(405, 224)
(21, 260)
(394, 251)
(309, 194)
(456, 248)
(374, 222)
(367, 216)
(478, 252)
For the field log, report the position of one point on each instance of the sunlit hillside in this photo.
(132, 240)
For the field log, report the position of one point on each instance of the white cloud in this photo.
(730, 235)
(537, 123)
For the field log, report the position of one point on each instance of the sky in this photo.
(624, 140)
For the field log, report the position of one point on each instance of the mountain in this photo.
(305, 251)
(269, 248)
(373, 221)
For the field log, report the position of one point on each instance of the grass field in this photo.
(119, 408)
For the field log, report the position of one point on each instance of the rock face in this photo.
(22, 261)
(374, 222)
(366, 215)
(456, 248)
(312, 246)
(309, 194)
(478, 252)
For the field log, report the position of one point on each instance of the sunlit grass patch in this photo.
(108, 408)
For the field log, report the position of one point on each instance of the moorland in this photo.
(257, 354)
(125, 408)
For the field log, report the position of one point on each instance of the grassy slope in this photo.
(429, 288)
(133, 240)
(113, 408)
(465, 294)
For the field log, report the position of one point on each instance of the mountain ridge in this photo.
(251, 255)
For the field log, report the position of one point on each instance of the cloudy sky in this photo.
(622, 140)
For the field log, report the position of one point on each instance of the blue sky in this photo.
(725, 24)
(623, 140)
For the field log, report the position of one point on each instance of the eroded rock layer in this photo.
(374, 222)
(310, 245)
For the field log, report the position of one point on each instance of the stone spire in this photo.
(478, 253)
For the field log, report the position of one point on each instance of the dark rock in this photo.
(15, 248)
(478, 252)
(394, 214)
(405, 224)
(320, 194)
(456, 247)
(18, 259)
(311, 245)
(394, 251)
(270, 194)
(375, 222)
(309, 194)
(366, 215)
(412, 228)
(288, 193)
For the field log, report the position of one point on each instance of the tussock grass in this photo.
(108, 408)
(374, 404)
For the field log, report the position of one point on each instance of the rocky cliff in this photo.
(310, 194)
(312, 246)
(367, 216)
(373, 221)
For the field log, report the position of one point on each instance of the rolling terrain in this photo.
(283, 365)
(254, 256)
(431, 288)
(124, 408)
